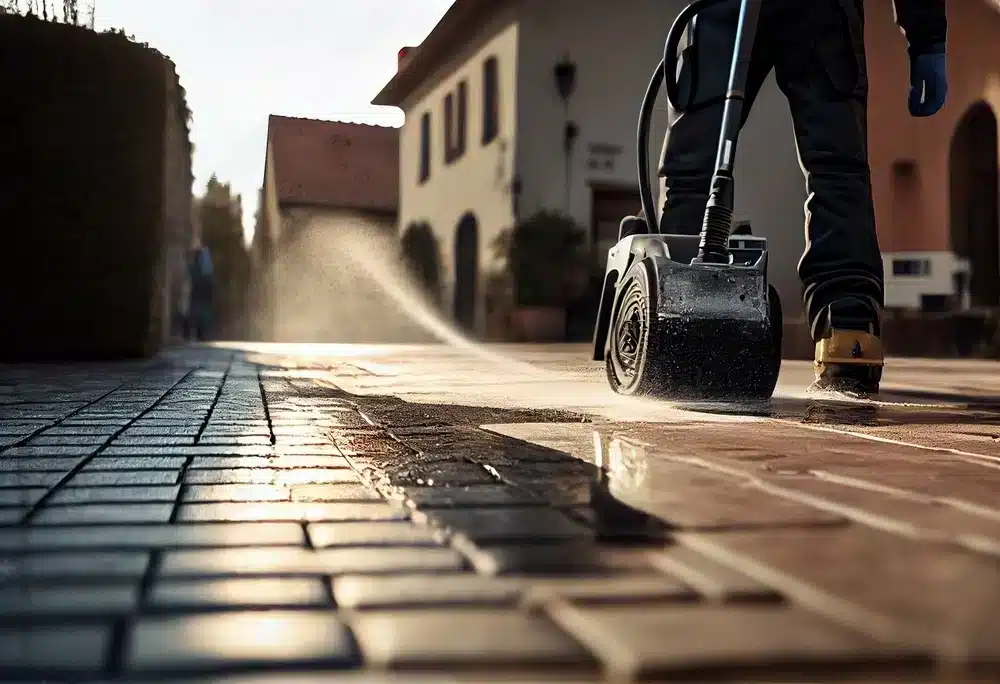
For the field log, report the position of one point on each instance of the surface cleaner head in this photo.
(695, 332)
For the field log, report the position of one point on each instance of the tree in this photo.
(46, 10)
(220, 215)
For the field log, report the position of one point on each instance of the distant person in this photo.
(201, 310)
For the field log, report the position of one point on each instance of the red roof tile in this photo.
(334, 164)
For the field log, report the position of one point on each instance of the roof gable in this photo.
(334, 164)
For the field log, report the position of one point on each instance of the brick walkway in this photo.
(203, 515)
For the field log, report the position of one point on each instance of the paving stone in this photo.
(29, 480)
(70, 601)
(228, 640)
(476, 496)
(367, 443)
(53, 648)
(282, 477)
(507, 525)
(123, 478)
(712, 579)
(635, 588)
(325, 535)
(482, 637)
(286, 510)
(236, 493)
(284, 462)
(240, 440)
(103, 514)
(178, 535)
(409, 591)
(334, 493)
(941, 590)
(103, 462)
(75, 441)
(98, 565)
(99, 495)
(239, 593)
(298, 561)
(160, 431)
(11, 516)
(28, 465)
(71, 430)
(671, 640)
(215, 430)
(184, 451)
(699, 499)
(565, 559)
(153, 441)
(23, 498)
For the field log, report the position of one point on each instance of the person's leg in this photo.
(690, 145)
(820, 67)
(687, 158)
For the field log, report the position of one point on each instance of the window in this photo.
(911, 267)
(425, 147)
(449, 126)
(462, 114)
(491, 101)
(456, 108)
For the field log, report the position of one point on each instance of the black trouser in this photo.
(816, 49)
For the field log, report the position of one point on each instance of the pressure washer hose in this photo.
(665, 74)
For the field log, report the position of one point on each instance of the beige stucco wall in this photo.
(478, 182)
(615, 52)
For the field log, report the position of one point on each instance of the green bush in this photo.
(547, 259)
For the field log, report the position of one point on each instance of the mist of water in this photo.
(347, 282)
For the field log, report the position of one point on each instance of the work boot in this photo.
(849, 356)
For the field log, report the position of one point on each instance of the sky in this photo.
(241, 60)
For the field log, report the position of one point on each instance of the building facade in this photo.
(325, 183)
(935, 180)
(488, 139)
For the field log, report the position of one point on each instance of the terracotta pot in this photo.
(538, 324)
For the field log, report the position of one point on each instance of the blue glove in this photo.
(928, 82)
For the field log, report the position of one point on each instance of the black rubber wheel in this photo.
(647, 358)
(629, 333)
(769, 380)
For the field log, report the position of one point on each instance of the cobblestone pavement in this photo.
(272, 516)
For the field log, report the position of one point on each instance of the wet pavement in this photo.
(466, 514)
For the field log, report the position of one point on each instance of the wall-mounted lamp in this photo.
(570, 133)
(565, 73)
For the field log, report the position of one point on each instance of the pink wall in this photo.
(917, 218)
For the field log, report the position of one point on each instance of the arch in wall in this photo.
(423, 258)
(466, 271)
(974, 179)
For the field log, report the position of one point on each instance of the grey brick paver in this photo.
(54, 649)
(484, 637)
(103, 513)
(288, 510)
(27, 602)
(331, 561)
(240, 639)
(676, 640)
(238, 593)
(180, 536)
(206, 528)
(123, 494)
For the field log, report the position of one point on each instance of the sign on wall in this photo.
(603, 156)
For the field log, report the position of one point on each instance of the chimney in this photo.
(401, 57)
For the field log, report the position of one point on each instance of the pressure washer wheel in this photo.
(650, 356)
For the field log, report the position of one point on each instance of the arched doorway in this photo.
(420, 249)
(466, 271)
(975, 202)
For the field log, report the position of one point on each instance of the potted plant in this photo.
(546, 259)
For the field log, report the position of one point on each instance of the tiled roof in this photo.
(334, 164)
